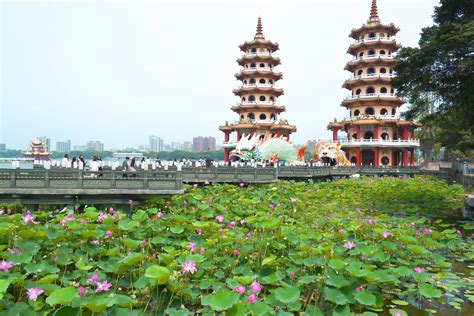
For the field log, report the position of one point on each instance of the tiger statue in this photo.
(328, 152)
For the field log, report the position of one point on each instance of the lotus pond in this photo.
(368, 246)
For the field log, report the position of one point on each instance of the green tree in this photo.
(438, 77)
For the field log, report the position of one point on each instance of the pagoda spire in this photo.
(259, 33)
(374, 14)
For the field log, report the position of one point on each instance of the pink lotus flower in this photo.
(195, 185)
(292, 274)
(341, 231)
(159, 214)
(255, 287)
(235, 252)
(358, 212)
(233, 223)
(419, 270)
(81, 291)
(199, 231)
(248, 235)
(358, 289)
(95, 242)
(189, 267)
(94, 278)
(192, 246)
(6, 265)
(427, 230)
(242, 184)
(371, 221)
(202, 250)
(102, 217)
(108, 234)
(349, 245)
(242, 221)
(220, 218)
(240, 289)
(15, 250)
(293, 200)
(220, 231)
(143, 243)
(412, 224)
(28, 218)
(271, 206)
(111, 209)
(328, 218)
(386, 234)
(185, 202)
(103, 286)
(33, 293)
(397, 314)
(251, 298)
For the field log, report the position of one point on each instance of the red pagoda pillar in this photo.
(405, 157)
(412, 134)
(358, 156)
(412, 156)
(358, 132)
(405, 133)
(376, 157)
(334, 134)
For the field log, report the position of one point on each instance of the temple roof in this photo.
(259, 40)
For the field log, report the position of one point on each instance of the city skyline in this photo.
(161, 56)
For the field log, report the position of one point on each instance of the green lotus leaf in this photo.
(160, 274)
(429, 291)
(222, 300)
(287, 295)
(62, 296)
(365, 297)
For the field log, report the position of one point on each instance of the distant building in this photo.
(79, 148)
(94, 146)
(63, 147)
(204, 144)
(155, 144)
(46, 142)
(3, 147)
(187, 146)
(176, 146)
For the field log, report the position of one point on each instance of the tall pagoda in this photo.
(258, 108)
(377, 135)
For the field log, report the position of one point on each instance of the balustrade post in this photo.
(13, 179)
(145, 179)
(179, 180)
(46, 178)
(80, 179)
(113, 179)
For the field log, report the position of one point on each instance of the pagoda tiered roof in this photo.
(258, 57)
(258, 88)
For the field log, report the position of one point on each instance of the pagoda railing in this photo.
(257, 69)
(380, 142)
(374, 39)
(258, 103)
(371, 117)
(252, 54)
(368, 76)
(371, 95)
(368, 57)
(259, 85)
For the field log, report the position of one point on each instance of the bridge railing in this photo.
(78, 179)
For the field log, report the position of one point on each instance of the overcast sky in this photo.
(119, 71)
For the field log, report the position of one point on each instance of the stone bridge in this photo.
(75, 187)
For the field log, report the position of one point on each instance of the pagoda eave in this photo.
(266, 74)
(391, 29)
(246, 90)
(259, 42)
(256, 107)
(259, 58)
(352, 65)
(395, 101)
(379, 122)
(389, 45)
(351, 83)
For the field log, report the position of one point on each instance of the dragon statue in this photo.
(328, 152)
(258, 148)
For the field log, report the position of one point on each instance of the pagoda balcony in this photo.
(257, 57)
(371, 117)
(371, 76)
(259, 85)
(380, 143)
(367, 78)
(372, 96)
(265, 69)
(253, 54)
(373, 57)
(374, 39)
(265, 103)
